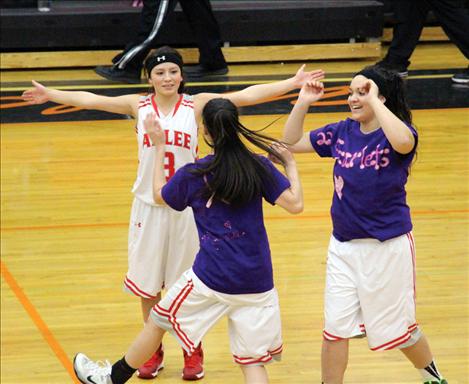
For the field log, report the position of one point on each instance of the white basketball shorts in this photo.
(190, 308)
(370, 290)
(162, 245)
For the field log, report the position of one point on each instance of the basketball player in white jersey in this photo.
(163, 242)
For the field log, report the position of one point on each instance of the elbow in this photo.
(296, 208)
(405, 146)
(291, 140)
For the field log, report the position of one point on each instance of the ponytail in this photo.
(236, 175)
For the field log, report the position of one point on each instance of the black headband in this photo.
(170, 57)
(379, 80)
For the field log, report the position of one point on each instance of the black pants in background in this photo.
(410, 18)
(154, 14)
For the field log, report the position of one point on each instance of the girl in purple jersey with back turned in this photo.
(232, 273)
(370, 278)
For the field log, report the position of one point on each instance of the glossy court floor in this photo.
(66, 177)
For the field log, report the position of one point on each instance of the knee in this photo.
(415, 336)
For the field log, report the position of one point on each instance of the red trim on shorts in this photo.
(263, 359)
(136, 290)
(277, 351)
(398, 341)
(413, 327)
(331, 337)
(250, 360)
(171, 314)
(178, 302)
(412, 251)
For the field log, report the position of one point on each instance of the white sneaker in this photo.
(90, 372)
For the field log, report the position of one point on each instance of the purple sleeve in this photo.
(408, 157)
(176, 191)
(280, 183)
(416, 136)
(323, 139)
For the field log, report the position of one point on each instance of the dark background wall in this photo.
(109, 24)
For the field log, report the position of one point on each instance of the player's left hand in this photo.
(370, 90)
(283, 152)
(302, 77)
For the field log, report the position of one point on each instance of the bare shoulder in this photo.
(133, 100)
(200, 99)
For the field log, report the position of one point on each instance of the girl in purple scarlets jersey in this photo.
(370, 278)
(232, 273)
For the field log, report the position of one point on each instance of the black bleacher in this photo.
(82, 25)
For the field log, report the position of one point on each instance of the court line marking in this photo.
(206, 84)
(36, 318)
(281, 217)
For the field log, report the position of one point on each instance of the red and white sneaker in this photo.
(193, 364)
(150, 369)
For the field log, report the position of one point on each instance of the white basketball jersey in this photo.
(180, 127)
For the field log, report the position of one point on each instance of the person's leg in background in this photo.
(409, 20)
(150, 368)
(128, 64)
(202, 21)
(454, 19)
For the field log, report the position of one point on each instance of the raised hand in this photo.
(282, 151)
(311, 92)
(155, 131)
(302, 77)
(36, 95)
(369, 90)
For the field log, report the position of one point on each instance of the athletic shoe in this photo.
(461, 78)
(150, 369)
(119, 75)
(399, 68)
(193, 364)
(201, 71)
(90, 372)
(442, 381)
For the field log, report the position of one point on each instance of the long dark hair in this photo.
(236, 174)
(392, 87)
(162, 51)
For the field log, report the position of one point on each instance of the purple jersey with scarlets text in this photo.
(369, 178)
(234, 255)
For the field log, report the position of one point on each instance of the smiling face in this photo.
(361, 111)
(166, 78)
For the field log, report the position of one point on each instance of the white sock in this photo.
(430, 372)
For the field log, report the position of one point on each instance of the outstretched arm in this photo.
(260, 92)
(157, 137)
(292, 198)
(126, 105)
(293, 135)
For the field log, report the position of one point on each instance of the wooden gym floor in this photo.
(66, 182)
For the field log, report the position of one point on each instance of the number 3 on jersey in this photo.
(169, 165)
